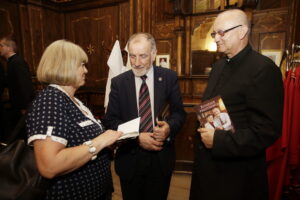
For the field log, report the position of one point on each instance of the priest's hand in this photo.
(207, 136)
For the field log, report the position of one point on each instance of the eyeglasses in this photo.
(222, 33)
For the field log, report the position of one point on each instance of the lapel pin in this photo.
(159, 78)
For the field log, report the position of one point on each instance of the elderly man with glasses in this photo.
(231, 165)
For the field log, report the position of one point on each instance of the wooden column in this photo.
(140, 16)
(188, 46)
(179, 31)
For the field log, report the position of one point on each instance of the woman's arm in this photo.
(54, 159)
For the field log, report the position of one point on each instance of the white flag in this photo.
(128, 65)
(116, 67)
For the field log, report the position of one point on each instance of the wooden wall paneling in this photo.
(266, 4)
(165, 40)
(163, 11)
(136, 9)
(192, 88)
(165, 46)
(286, 3)
(108, 33)
(202, 62)
(141, 16)
(146, 16)
(270, 20)
(39, 27)
(75, 5)
(25, 33)
(162, 29)
(185, 84)
(294, 24)
(95, 31)
(270, 23)
(132, 17)
(53, 26)
(182, 86)
(271, 40)
(124, 24)
(36, 24)
(185, 142)
(198, 87)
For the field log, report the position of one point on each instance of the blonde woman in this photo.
(68, 141)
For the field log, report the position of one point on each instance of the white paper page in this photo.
(130, 128)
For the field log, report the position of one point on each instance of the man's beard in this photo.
(139, 72)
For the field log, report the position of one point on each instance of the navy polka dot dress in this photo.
(55, 115)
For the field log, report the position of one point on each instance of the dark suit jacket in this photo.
(19, 82)
(235, 167)
(122, 107)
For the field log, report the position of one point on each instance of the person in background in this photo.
(19, 83)
(145, 165)
(231, 165)
(69, 143)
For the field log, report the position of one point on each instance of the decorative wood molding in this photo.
(164, 30)
(272, 41)
(269, 20)
(60, 1)
(90, 49)
(70, 5)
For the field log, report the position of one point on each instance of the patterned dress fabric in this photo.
(55, 115)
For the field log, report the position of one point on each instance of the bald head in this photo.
(234, 16)
(231, 30)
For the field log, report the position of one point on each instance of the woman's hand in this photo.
(108, 138)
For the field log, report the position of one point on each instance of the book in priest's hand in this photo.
(213, 114)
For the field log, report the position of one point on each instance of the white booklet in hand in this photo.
(130, 128)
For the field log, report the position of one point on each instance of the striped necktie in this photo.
(146, 124)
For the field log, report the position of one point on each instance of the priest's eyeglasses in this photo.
(222, 33)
